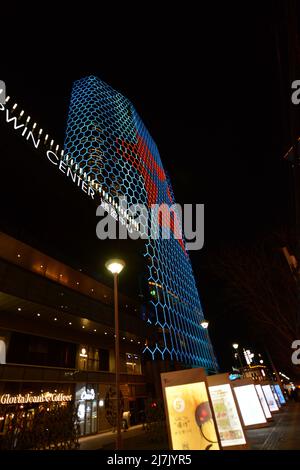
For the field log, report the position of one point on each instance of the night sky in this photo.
(206, 83)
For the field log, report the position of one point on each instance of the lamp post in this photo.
(236, 347)
(115, 266)
(205, 323)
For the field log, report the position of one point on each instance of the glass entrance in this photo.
(86, 396)
(88, 417)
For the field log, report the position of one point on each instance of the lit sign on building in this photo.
(34, 135)
(248, 356)
(88, 395)
(234, 376)
(83, 353)
(65, 164)
(7, 399)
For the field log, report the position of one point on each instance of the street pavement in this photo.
(282, 434)
(99, 441)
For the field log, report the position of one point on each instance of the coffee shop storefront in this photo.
(21, 404)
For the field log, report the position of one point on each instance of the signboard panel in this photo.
(2, 92)
(263, 401)
(270, 398)
(226, 414)
(249, 404)
(8, 399)
(280, 394)
(275, 396)
(191, 424)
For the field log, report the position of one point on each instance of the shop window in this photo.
(93, 359)
(133, 364)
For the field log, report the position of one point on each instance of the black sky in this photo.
(204, 80)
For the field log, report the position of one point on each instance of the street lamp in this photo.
(115, 266)
(204, 323)
(237, 354)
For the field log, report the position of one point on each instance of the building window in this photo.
(91, 358)
(2, 351)
(83, 355)
(133, 364)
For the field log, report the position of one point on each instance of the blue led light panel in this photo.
(107, 139)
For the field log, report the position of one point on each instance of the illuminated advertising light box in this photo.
(227, 418)
(280, 394)
(270, 398)
(191, 424)
(275, 396)
(249, 404)
(263, 402)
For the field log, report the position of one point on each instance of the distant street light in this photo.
(115, 266)
(235, 346)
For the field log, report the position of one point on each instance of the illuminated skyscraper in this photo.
(109, 144)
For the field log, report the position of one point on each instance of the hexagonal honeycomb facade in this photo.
(108, 142)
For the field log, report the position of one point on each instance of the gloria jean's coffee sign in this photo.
(7, 399)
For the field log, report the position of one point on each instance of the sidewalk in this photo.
(99, 441)
(283, 434)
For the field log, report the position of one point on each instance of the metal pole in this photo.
(117, 361)
(236, 362)
(240, 360)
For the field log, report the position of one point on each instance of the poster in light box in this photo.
(280, 394)
(227, 418)
(249, 404)
(263, 401)
(190, 417)
(270, 398)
